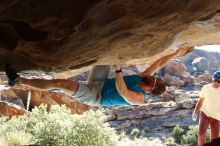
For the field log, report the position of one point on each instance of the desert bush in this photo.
(16, 138)
(191, 136)
(169, 140)
(177, 134)
(134, 133)
(60, 127)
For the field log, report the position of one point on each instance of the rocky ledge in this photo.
(160, 118)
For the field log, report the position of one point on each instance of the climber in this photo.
(209, 103)
(100, 90)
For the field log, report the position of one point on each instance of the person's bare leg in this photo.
(69, 87)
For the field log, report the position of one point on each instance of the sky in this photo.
(211, 48)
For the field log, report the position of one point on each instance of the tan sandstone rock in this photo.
(20, 95)
(60, 36)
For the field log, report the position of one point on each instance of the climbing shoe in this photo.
(11, 74)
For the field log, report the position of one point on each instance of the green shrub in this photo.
(16, 138)
(188, 137)
(59, 127)
(178, 132)
(134, 133)
(169, 140)
(148, 131)
(191, 136)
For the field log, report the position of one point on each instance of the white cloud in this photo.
(211, 48)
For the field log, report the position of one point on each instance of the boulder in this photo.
(171, 89)
(167, 97)
(201, 60)
(201, 64)
(10, 109)
(189, 80)
(19, 94)
(173, 80)
(206, 77)
(175, 68)
(11, 97)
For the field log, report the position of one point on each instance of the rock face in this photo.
(9, 109)
(65, 35)
(160, 117)
(11, 97)
(17, 97)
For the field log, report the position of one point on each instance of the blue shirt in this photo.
(110, 95)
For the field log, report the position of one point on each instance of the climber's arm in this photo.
(130, 96)
(160, 63)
